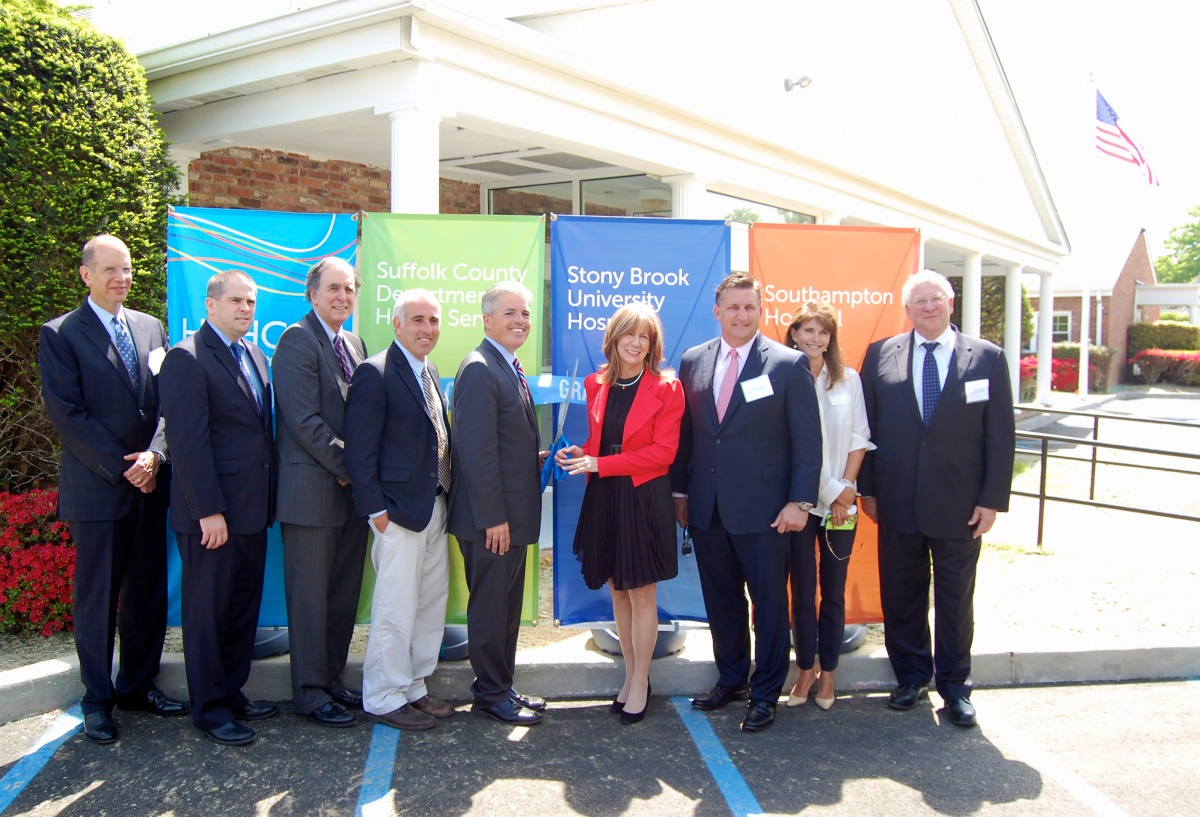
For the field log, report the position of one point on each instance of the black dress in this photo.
(625, 534)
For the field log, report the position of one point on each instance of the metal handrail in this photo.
(1095, 445)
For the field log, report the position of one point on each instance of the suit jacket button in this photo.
(718, 441)
(266, 465)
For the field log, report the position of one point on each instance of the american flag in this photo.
(1112, 140)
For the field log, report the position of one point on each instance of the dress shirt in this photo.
(844, 428)
(106, 318)
(942, 354)
(257, 385)
(723, 362)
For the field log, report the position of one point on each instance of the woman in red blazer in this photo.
(626, 531)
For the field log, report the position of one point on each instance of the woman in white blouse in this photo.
(831, 525)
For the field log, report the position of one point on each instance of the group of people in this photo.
(764, 453)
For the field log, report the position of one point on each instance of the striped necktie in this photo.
(435, 415)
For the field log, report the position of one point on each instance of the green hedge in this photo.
(82, 153)
(1163, 335)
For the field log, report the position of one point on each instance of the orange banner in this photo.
(860, 271)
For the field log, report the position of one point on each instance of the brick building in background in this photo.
(258, 179)
(1113, 301)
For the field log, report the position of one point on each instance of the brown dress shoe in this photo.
(406, 717)
(432, 706)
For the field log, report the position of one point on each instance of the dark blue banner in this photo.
(597, 265)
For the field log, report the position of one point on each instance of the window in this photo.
(1060, 329)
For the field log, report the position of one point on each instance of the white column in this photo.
(972, 294)
(182, 159)
(831, 217)
(1085, 352)
(1045, 336)
(415, 144)
(1098, 338)
(1012, 326)
(687, 195)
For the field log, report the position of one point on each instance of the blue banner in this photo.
(276, 250)
(598, 264)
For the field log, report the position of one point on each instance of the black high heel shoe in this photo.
(618, 707)
(628, 718)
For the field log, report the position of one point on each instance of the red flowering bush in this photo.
(1064, 375)
(37, 565)
(1171, 365)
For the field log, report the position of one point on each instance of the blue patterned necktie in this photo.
(931, 384)
(240, 354)
(524, 383)
(125, 348)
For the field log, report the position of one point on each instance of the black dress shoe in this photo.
(528, 701)
(332, 714)
(509, 711)
(100, 727)
(962, 711)
(256, 711)
(157, 702)
(905, 696)
(231, 734)
(349, 698)
(759, 715)
(719, 697)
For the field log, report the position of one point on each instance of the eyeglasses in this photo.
(937, 300)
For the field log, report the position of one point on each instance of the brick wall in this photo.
(258, 179)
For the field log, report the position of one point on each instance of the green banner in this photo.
(456, 258)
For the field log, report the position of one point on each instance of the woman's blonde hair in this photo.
(627, 320)
(823, 313)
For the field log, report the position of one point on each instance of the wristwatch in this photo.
(804, 506)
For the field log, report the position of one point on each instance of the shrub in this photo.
(37, 565)
(1171, 365)
(1099, 358)
(1163, 335)
(1028, 380)
(1064, 375)
(82, 153)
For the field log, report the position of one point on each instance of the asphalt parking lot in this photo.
(1124, 749)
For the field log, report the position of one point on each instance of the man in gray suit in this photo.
(324, 537)
(746, 474)
(496, 499)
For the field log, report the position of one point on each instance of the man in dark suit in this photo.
(398, 458)
(324, 537)
(98, 366)
(746, 474)
(496, 499)
(216, 400)
(941, 414)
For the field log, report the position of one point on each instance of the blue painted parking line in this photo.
(27, 768)
(738, 797)
(377, 774)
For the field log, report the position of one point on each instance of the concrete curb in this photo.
(569, 669)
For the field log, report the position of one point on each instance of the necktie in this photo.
(339, 349)
(435, 414)
(125, 348)
(521, 379)
(240, 354)
(931, 384)
(727, 385)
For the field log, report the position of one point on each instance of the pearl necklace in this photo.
(631, 382)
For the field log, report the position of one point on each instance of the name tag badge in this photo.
(756, 388)
(154, 359)
(977, 391)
